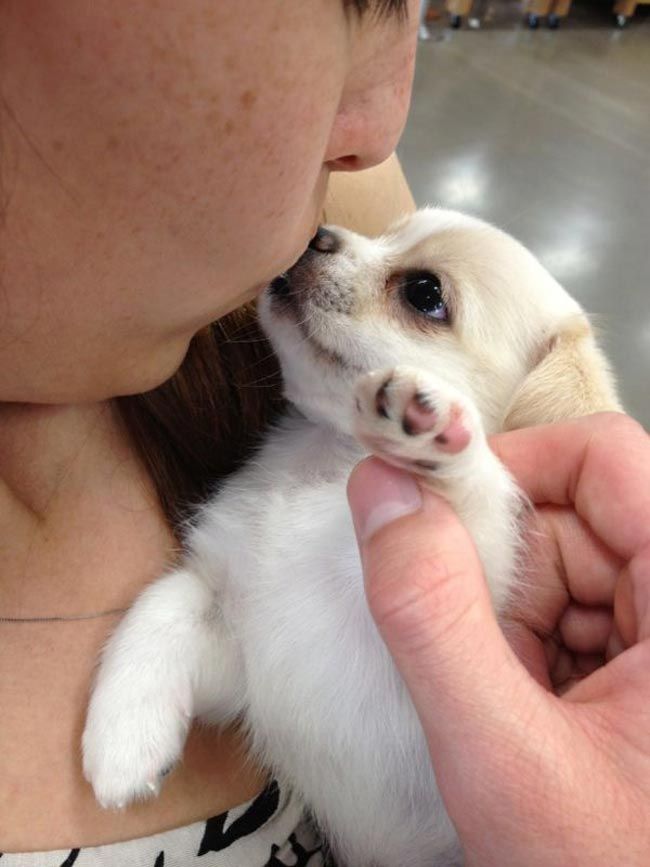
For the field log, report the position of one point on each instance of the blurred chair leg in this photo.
(624, 9)
(477, 14)
(537, 9)
(559, 11)
(458, 9)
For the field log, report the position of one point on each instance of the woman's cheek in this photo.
(276, 203)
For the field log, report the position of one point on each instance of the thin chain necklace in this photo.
(61, 619)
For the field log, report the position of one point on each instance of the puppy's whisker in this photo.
(263, 359)
(244, 340)
(263, 381)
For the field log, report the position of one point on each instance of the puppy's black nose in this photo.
(281, 285)
(325, 241)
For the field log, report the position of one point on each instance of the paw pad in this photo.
(455, 436)
(411, 419)
(381, 398)
(419, 416)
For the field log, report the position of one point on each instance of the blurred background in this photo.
(539, 121)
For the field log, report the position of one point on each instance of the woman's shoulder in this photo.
(368, 201)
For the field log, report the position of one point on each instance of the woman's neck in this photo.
(72, 492)
(44, 450)
(81, 531)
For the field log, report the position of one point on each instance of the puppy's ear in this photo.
(571, 378)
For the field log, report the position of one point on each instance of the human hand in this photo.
(528, 777)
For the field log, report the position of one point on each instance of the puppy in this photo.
(413, 346)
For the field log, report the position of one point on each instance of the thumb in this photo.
(427, 594)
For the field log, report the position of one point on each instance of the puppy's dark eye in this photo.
(423, 291)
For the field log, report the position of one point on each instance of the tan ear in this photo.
(571, 379)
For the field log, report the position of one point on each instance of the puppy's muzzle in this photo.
(324, 241)
(311, 283)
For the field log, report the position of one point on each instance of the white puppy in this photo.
(413, 346)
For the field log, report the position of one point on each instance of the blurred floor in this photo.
(547, 134)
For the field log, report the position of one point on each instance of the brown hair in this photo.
(200, 425)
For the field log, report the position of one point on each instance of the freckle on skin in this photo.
(247, 99)
(112, 142)
(57, 144)
(78, 41)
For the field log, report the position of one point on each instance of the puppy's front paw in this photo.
(131, 740)
(412, 420)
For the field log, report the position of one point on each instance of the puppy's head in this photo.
(443, 292)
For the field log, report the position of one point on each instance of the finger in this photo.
(586, 630)
(619, 692)
(586, 663)
(601, 464)
(615, 644)
(589, 568)
(427, 593)
(564, 562)
(632, 602)
(622, 688)
(566, 668)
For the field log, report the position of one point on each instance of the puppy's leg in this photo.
(414, 420)
(169, 659)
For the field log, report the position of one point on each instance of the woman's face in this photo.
(162, 161)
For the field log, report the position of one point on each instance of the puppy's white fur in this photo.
(266, 618)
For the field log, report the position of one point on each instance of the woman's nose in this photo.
(370, 118)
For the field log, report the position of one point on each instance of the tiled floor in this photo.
(547, 134)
